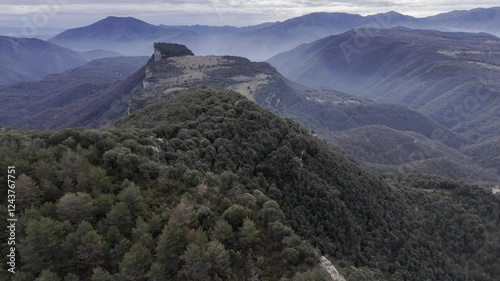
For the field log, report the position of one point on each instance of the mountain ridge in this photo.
(32, 104)
(396, 64)
(126, 35)
(260, 42)
(32, 59)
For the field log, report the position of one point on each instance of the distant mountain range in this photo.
(288, 34)
(476, 20)
(23, 60)
(218, 30)
(431, 71)
(43, 33)
(262, 41)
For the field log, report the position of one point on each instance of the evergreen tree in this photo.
(48, 275)
(135, 263)
(71, 277)
(100, 274)
(222, 231)
(28, 193)
(171, 244)
(248, 233)
(74, 207)
(197, 264)
(40, 249)
(235, 216)
(156, 272)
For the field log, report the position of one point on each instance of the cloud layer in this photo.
(217, 12)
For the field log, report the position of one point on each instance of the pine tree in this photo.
(100, 274)
(135, 263)
(222, 231)
(156, 272)
(74, 207)
(248, 233)
(71, 277)
(197, 264)
(171, 244)
(28, 193)
(48, 275)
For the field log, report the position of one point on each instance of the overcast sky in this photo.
(72, 13)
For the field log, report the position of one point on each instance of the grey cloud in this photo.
(238, 12)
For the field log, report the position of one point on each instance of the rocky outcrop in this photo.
(330, 269)
(169, 50)
(167, 74)
(496, 189)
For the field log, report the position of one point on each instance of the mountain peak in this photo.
(115, 18)
(391, 16)
(121, 20)
(392, 12)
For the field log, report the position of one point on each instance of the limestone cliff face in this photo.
(148, 74)
(174, 68)
(331, 270)
(157, 55)
(172, 75)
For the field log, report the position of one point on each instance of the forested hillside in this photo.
(206, 185)
(385, 150)
(34, 105)
(23, 59)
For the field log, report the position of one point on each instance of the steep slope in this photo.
(451, 77)
(125, 35)
(24, 60)
(200, 115)
(31, 104)
(106, 106)
(385, 150)
(487, 152)
(146, 227)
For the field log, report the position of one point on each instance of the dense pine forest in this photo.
(206, 186)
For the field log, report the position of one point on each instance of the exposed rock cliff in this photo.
(330, 268)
